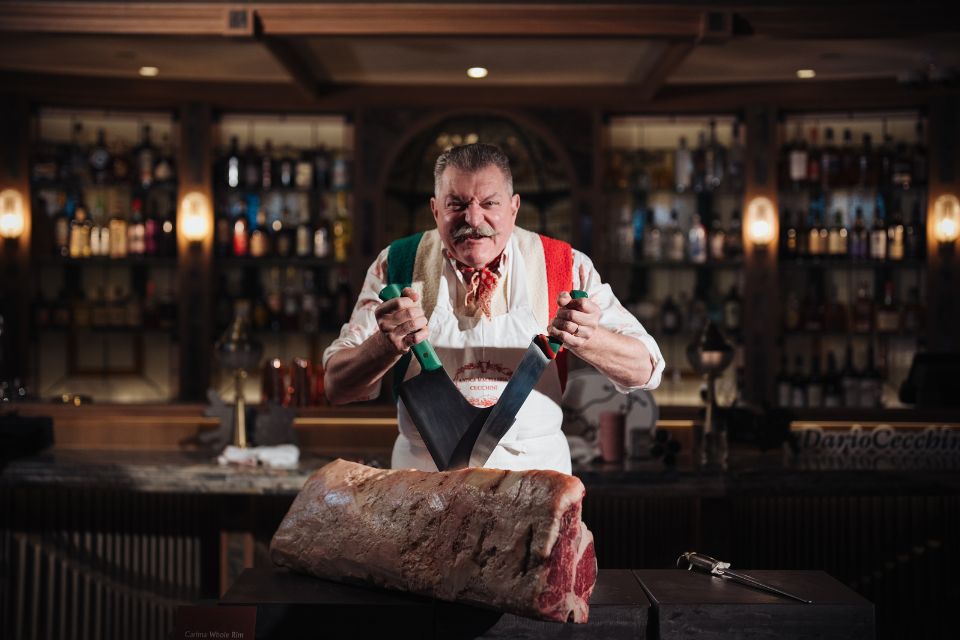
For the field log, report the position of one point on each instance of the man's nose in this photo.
(473, 215)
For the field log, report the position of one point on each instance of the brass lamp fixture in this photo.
(710, 354)
(11, 214)
(240, 353)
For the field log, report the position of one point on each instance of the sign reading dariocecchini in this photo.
(882, 439)
(879, 446)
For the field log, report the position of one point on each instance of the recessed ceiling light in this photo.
(477, 72)
(806, 73)
(149, 72)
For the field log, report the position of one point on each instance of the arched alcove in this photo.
(542, 173)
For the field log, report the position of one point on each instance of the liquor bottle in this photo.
(859, 237)
(120, 165)
(638, 231)
(815, 384)
(735, 159)
(118, 236)
(812, 310)
(251, 168)
(837, 237)
(829, 162)
(61, 226)
(232, 165)
(849, 171)
(902, 167)
(797, 159)
(895, 240)
(814, 172)
(222, 234)
(321, 169)
(814, 246)
(342, 228)
(167, 235)
(321, 239)
(77, 165)
(788, 234)
(309, 307)
(914, 241)
(80, 228)
(871, 383)
(676, 249)
(303, 172)
(798, 385)
(164, 172)
(671, 320)
(136, 231)
(888, 312)
(862, 310)
(850, 380)
(286, 168)
(699, 156)
(340, 173)
(803, 234)
(835, 313)
(715, 159)
(304, 235)
(146, 157)
(343, 297)
(913, 312)
(832, 384)
(267, 167)
(878, 235)
(100, 159)
(734, 246)
(99, 233)
(717, 240)
(682, 167)
(653, 243)
(282, 238)
(696, 309)
(697, 241)
(241, 234)
(259, 239)
(623, 238)
(885, 161)
(866, 164)
(791, 311)
(918, 158)
(783, 383)
(151, 233)
(733, 312)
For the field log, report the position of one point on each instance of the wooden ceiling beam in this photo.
(352, 19)
(857, 21)
(648, 79)
(310, 77)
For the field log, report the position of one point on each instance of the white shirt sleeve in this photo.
(615, 317)
(362, 323)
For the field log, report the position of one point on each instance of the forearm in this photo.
(352, 374)
(623, 359)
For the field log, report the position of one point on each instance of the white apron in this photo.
(481, 370)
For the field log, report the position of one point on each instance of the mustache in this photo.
(465, 231)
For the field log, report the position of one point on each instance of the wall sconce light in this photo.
(195, 216)
(11, 214)
(946, 219)
(760, 222)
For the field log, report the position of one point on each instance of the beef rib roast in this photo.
(510, 540)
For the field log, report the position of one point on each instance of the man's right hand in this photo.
(402, 321)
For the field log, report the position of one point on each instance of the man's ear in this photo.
(515, 203)
(433, 209)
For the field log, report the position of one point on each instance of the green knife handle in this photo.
(555, 343)
(426, 356)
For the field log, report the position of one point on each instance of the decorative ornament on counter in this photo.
(273, 424)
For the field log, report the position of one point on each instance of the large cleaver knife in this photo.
(525, 377)
(439, 411)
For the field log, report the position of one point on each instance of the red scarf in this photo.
(481, 283)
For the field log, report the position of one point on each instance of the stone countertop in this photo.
(750, 474)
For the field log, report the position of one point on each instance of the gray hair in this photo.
(472, 158)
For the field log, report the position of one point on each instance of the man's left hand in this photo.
(576, 321)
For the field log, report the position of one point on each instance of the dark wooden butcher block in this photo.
(293, 607)
(686, 605)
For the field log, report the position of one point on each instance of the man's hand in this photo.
(402, 321)
(576, 321)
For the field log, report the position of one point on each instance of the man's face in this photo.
(475, 214)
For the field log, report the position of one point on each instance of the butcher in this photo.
(480, 288)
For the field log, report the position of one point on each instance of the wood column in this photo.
(761, 319)
(194, 262)
(15, 279)
(943, 264)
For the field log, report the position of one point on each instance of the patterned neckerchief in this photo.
(481, 282)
